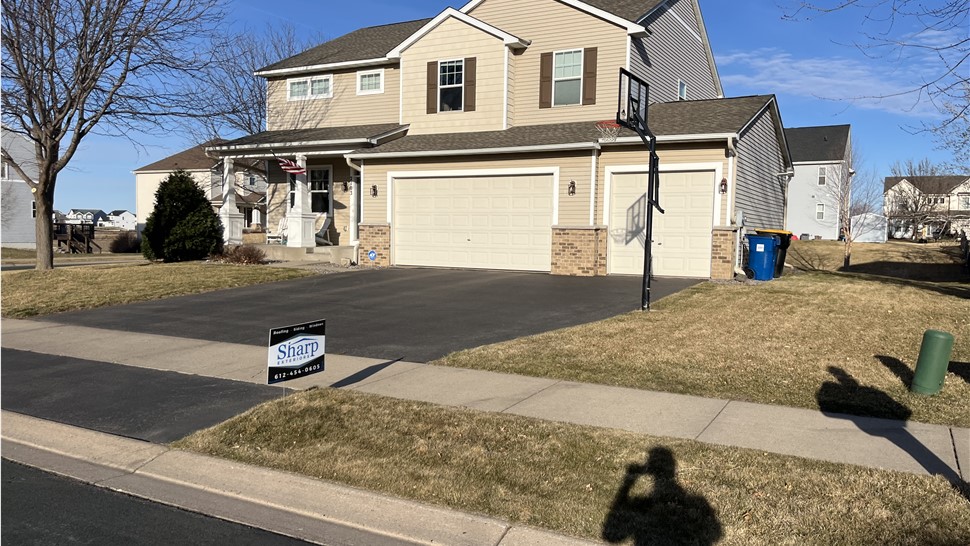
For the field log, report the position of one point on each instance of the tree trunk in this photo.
(847, 257)
(44, 197)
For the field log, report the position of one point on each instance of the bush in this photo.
(125, 242)
(183, 226)
(244, 254)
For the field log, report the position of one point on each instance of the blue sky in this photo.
(810, 64)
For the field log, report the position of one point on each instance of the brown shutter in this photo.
(470, 65)
(433, 87)
(589, 75)
(545, 80)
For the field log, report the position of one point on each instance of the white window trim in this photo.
(462, 85)
(681, 84)
(823, 175)
(309, 81)
(362, 73)
(4, 170)
(582, 69)
(820, 211)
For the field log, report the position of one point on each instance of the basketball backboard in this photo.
(631, 109)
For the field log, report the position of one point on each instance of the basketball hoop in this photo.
(609, 130)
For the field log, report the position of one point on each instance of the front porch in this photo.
(339, 255)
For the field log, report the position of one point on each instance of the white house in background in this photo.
(17, 207)
(932, 205)
(870, 228)
(823, 164)
(250, 190)
(121, 219)
(85, 216)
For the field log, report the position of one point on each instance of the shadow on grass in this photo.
(913, 271)
(961, 370)
(842, 396)
(900, 370)
(668, 515)
(956, 290)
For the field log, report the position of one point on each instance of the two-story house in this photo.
(85, 216)
(820, 189)
(120, 219)
(18, 210)
(249, 182)
(926, 207)
(469, 140)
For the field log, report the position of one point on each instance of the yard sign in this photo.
(296, 351)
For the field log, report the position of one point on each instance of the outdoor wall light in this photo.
(723, 186)
(373, 190)
(572, 188)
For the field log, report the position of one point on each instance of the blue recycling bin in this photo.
(761, 256)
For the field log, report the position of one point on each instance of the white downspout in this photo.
(355, 196)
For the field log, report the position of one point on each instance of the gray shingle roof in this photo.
(361, 44)
(825, 143)
(936, 185)
(675, 118)
(631, 10)
(192, 159)
(357, 132)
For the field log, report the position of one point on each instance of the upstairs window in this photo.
(567, 77)
(821, 177)
(681, 90)
(370, 82)
(318, 87)
(450, 85)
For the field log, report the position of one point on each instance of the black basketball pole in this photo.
(653, 188)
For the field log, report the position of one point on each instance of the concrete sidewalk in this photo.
(880, 443)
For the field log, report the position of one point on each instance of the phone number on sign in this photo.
(298, 372)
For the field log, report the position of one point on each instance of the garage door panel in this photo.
(682, 236)
(477, 222)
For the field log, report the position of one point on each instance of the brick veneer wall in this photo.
(376, 237)
(722, 252)
(579, 252)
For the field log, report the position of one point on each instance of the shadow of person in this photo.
(845, 395)
(668, 515)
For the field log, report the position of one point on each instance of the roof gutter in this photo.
(482, 151)
(669, 139)
(322, 67)
(343, 142)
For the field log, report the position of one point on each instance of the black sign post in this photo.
(296, 351)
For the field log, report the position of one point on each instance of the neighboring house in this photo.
(207, 171)
(926, 207)
(823, 174)
(18, 211)
(870, 227)
(469, 140)
(85, 216)
(121, 219)
(58, 217)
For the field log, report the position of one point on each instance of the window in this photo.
(252, 179)
(33, 209)
(820, 211)
(567, 77)
(319, 180)
(681, 90)
(318, 87)
(450, 85)
(370, 82)
(4, 170)
(964, 201)
(821, 177)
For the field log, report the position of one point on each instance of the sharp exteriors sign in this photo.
(296, 351)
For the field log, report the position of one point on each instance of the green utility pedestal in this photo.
(934, 358)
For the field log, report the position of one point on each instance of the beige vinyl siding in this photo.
(454, 40)
(553, 26)
(761, 194)
(346, 107)
(573, 209)
(673, 53)
(669, 154)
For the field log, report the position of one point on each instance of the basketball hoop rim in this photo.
(609, 129)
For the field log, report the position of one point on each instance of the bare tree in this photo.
(854, 195)
(940, 39)
(955, 135)
(908, 205)
(76, 67)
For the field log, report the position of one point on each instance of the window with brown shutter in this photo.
(545, 80)
(432, 102)
(470, 65)
(589, 75)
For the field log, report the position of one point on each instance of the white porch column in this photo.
(300, 219)
(232, 219)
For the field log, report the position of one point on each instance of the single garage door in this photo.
(483, 222)
(682, 236)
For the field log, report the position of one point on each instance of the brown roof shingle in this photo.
(825, 143)
(935, 185)
(192, 159)
(356, 132)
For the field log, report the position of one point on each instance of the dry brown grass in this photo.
(771, 343)
(936, 262)
(568, 477)
(31, 293)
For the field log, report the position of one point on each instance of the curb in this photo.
(276, 501)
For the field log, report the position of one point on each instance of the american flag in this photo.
(291, 167)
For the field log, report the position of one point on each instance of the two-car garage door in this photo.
(487, 222)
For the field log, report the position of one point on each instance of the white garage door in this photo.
(682, 236)
(499, 222)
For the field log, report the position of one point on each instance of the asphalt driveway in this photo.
(415, 315)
